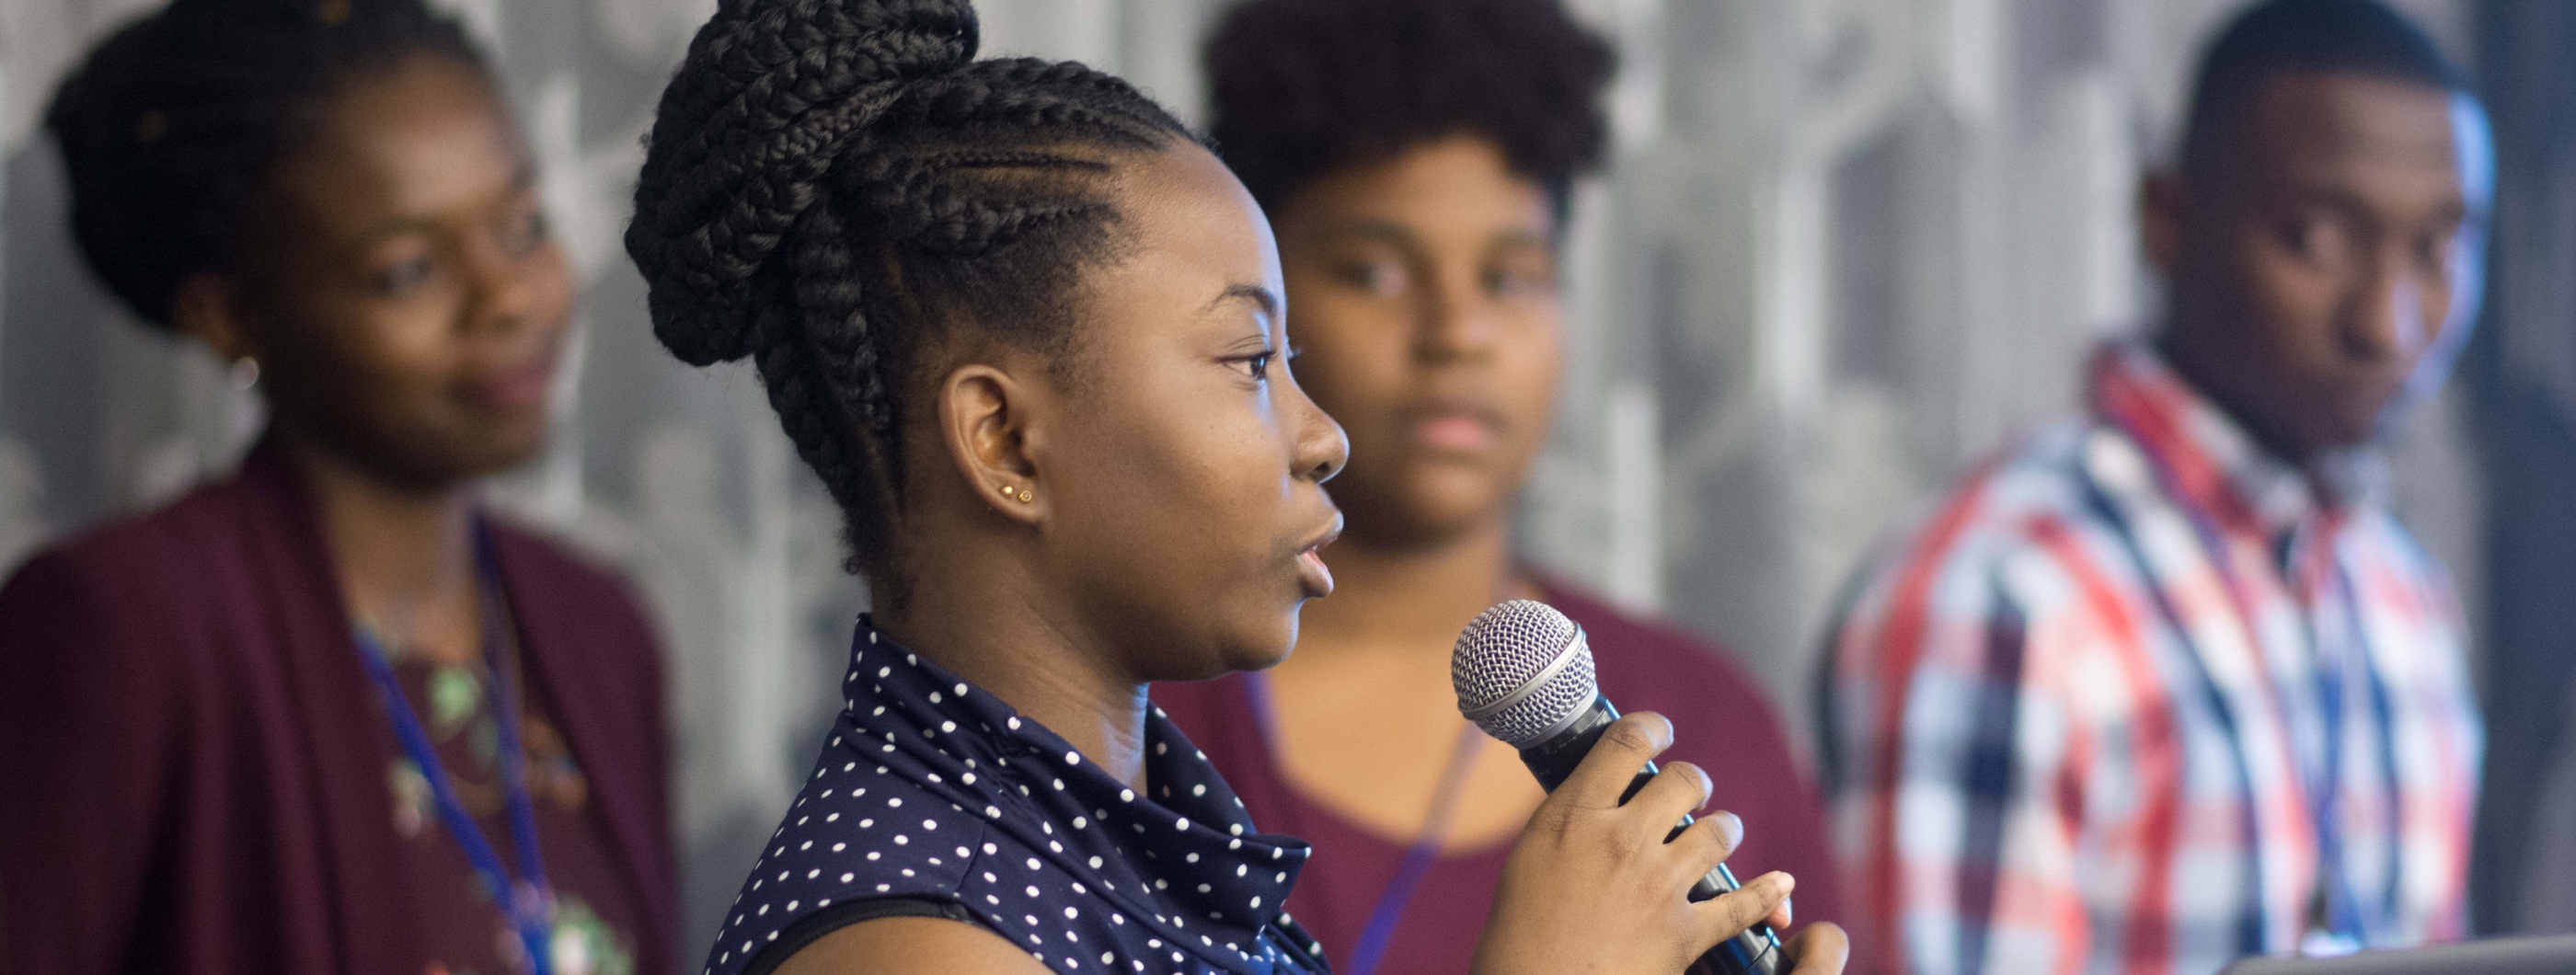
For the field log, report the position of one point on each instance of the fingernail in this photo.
(1731, 828)
(1788, 912)
(1783, 881)
(1664, 735)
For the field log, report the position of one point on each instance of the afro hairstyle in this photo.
(1303, 88)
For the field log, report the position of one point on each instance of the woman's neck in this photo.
(405, 555)
(1418, 597)
(1024, 652)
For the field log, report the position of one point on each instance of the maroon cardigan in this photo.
(192, 761)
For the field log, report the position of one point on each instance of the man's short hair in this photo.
(2363, 37)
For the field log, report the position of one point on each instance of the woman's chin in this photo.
(1258, 653)
(1427, 510)
(507, 449)
(1262, 662)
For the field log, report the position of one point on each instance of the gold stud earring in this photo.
(1025, 496)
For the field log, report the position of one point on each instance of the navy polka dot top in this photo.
(933, 798)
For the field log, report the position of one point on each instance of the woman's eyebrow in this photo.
(1519, 239)
(1259, 295)
(522, 180)
(1380, 231)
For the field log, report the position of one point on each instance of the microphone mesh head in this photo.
(1510, 647)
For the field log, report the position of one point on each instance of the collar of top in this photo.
(2211, 460)
(1183, 852)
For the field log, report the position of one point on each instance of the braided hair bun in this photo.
(170, 128)
(769, 97)
(830, 185)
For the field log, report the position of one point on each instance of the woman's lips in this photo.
(517, 388)
(1311, 571)
(1463, 432)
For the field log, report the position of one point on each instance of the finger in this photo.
(1821, 949)
(1677, 791)
(1728, 914)
(1708, 842)
(1623, 750)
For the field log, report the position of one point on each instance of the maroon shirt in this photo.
(194, 764)
(463, 931)
(1721, 722)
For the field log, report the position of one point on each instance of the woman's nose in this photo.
(1323, 449)
(505, 288)
(1454, 323)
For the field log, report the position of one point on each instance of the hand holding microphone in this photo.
(1602, 878)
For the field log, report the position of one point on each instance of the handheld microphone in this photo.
(1523, 673)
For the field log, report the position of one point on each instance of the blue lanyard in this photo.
(1418, 858)
(528, 901)
(2385, 723)
(2322, 785)
(2324, 780)
(2338, 914)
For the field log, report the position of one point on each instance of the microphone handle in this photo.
(1753, 951)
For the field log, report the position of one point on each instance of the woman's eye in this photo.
(526, 232)
(1258, 366)
(404, 276)
(1379, 278)
(1513, 283)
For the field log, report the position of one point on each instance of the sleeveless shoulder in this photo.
(931, 789)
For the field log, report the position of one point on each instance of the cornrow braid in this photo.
(832, 187)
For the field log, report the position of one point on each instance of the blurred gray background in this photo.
(1846, 246)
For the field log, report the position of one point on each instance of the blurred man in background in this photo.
(2168, 685)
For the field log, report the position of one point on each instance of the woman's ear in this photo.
(204, 308)
(984, 416)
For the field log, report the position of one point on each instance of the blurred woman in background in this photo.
(1416, 158)
(328, 715)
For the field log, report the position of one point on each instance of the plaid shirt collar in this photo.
(2212, 461)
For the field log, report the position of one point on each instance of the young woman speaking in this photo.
(1030, 333)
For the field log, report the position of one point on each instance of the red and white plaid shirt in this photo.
(2077, 722)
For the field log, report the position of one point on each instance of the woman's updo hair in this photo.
(170, 129)
(832, 187)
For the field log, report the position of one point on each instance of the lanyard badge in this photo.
(526, 900)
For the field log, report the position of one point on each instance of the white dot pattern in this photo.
(1041, 848)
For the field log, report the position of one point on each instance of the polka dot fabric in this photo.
(931, 789)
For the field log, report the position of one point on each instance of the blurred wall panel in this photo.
(2523, 375)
